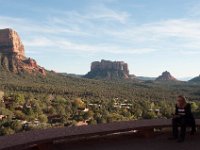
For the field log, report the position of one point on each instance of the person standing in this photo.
(182, 118)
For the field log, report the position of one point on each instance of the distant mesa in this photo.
(106, 69)
(166, 76)
(12, 54)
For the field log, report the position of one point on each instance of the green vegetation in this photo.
(34, 102)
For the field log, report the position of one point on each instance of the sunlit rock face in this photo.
(10, 43)
(106, 69)
(12, 54)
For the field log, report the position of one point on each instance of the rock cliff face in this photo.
(10, 43)
(166, 76)
(108, 70)
(12, 54)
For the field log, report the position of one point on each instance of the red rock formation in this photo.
(10, 43)
(106, 64)
(166, 76)
(42, 71)
(32, 63)
(109, 69)
(12, 54)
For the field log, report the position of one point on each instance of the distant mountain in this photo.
(196, 79)
(106, 69)
(72, 75)
(185, 78)
(145, 78)
(166, 76)
(12, 54)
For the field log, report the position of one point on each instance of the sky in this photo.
(152, 36)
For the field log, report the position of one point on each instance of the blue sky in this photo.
(67, 35)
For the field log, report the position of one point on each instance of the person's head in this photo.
(181, 101)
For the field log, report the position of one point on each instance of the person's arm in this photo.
(175, 115)
(188, 110)
(176, 110)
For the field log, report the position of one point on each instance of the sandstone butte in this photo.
(12, 54)
(166, 76)
(109, 70)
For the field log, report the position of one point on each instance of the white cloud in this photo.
(190, 52)
(102, 29)
(102, 12)
(69, 46)
(33, 27)
(174, 34)
(39, 42)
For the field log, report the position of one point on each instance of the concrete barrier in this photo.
(45, 137)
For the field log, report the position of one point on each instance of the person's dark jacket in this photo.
(187, 108)
(189, 118)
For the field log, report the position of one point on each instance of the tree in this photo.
(28, 111)
(20, 115)
(148, 115)
(1, 95)
(19, 98)
(36, 108)
(88, 115)
(16, 126)
(60, 110)
(6, 112)
(43, 118)
(79, 103)
(6, 131)
(92, 122)
(194, 106)
(126, 113)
